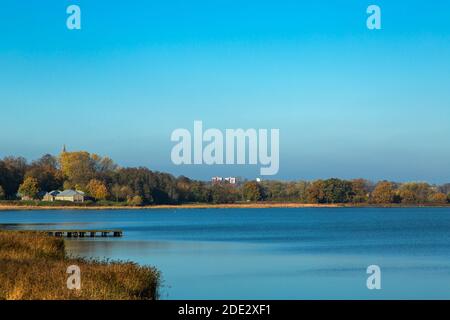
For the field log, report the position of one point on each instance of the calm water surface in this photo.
(305, 253)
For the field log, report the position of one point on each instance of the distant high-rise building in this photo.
(216, 179)
(230, 180)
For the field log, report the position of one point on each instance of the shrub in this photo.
(136, 201)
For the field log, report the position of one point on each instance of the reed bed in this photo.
(33, 266)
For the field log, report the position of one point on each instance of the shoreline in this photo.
(258, 205)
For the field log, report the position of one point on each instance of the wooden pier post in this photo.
(84, 233)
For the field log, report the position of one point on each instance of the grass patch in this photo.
(63, 204)
(33, 267)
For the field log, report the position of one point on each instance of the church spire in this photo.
(64, 148)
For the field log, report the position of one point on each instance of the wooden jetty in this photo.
(84, 233)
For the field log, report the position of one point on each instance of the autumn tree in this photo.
(103, 167)
(97, 189)
(274, 189)
(136, 201)
(200, 192)
(46, 172)
(125, 192)
(315, 192)
(330, 191)
(2, 193)
(224, 193)
(252, 191)
(284, 191)
(291, 191)
(383, 193)
(115, 191)
(302, 187)
(337, 191)
(407, 196)
(439, 198)
(361, 190)
(29, 188)
(152, 187)
(415, 192)
(121, 192)
(77, 167)
(12, 172)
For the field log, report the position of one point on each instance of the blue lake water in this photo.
(304, 253)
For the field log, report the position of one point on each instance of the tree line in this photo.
(103, 180)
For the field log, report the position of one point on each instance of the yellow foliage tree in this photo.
(29, 188)
(136, 201)
(97, 189)
(383, 193)
(439, 198)
(77, 167)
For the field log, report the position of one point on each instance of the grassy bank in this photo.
(33, 266)
(39, 205)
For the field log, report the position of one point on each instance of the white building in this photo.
(70, 195)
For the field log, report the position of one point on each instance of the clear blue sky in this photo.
(349, 102)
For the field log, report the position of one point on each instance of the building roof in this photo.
(70, 193)
(53, 193)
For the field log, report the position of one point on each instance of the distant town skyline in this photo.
(349, 102)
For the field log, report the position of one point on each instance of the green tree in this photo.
(29, 188)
